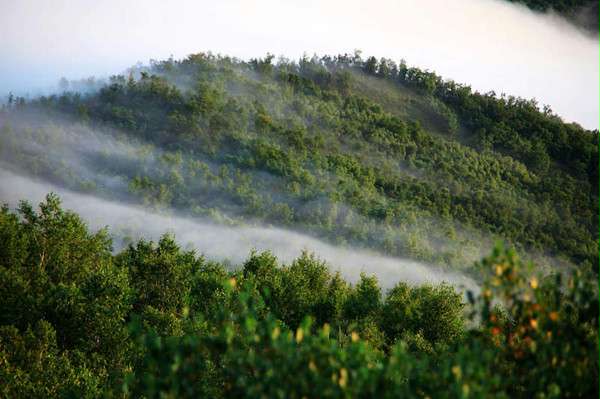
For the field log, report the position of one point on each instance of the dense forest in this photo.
(156, 321)
(359, 152)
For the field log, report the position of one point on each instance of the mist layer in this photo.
(224, 243)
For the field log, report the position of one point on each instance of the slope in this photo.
(360, 152)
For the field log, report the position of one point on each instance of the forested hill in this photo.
(583, 13)
(359, 152)
(353, 150)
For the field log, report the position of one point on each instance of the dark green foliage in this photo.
(61, 287)
(365, 300)
(32, 366)
(115, 329)
(583, 13)
(560, 5)
(161, 274)
(367, 152)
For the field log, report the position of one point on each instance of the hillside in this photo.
(360, 152)
(361, 155)
(583, 13)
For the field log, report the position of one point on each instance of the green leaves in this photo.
(389, 146)
(433, 314)
(157, 321)
(321, 146)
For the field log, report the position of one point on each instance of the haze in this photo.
(228, 243)
(489, 44)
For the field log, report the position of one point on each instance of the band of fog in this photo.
(84, 154)
(220, 242)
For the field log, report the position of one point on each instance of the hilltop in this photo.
(357, 151)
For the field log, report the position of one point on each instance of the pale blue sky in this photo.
(489, 44)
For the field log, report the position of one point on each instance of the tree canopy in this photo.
(156, 321)
(371, 152)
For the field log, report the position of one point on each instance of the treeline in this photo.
(558, 5)
(510, 125)
(583, 13)
(157, 321)
(357, 150)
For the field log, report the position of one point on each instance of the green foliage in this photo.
(349, 150)
(119, 329)
(429, 315)
(536, 332)
(59, 289)
(32, 366)
(161, 274)
(365, 300)
(368, 152)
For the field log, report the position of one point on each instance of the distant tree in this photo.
(370, 66)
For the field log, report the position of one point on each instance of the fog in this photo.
(80, 154)
(73, 152)
(106, 162)
(77, 152)
(490, 44)
(103, 161)
(227, 243)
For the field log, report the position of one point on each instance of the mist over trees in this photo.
(157, 321)
(361, 152)
(583, 13)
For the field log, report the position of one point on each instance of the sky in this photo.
(488, 44)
